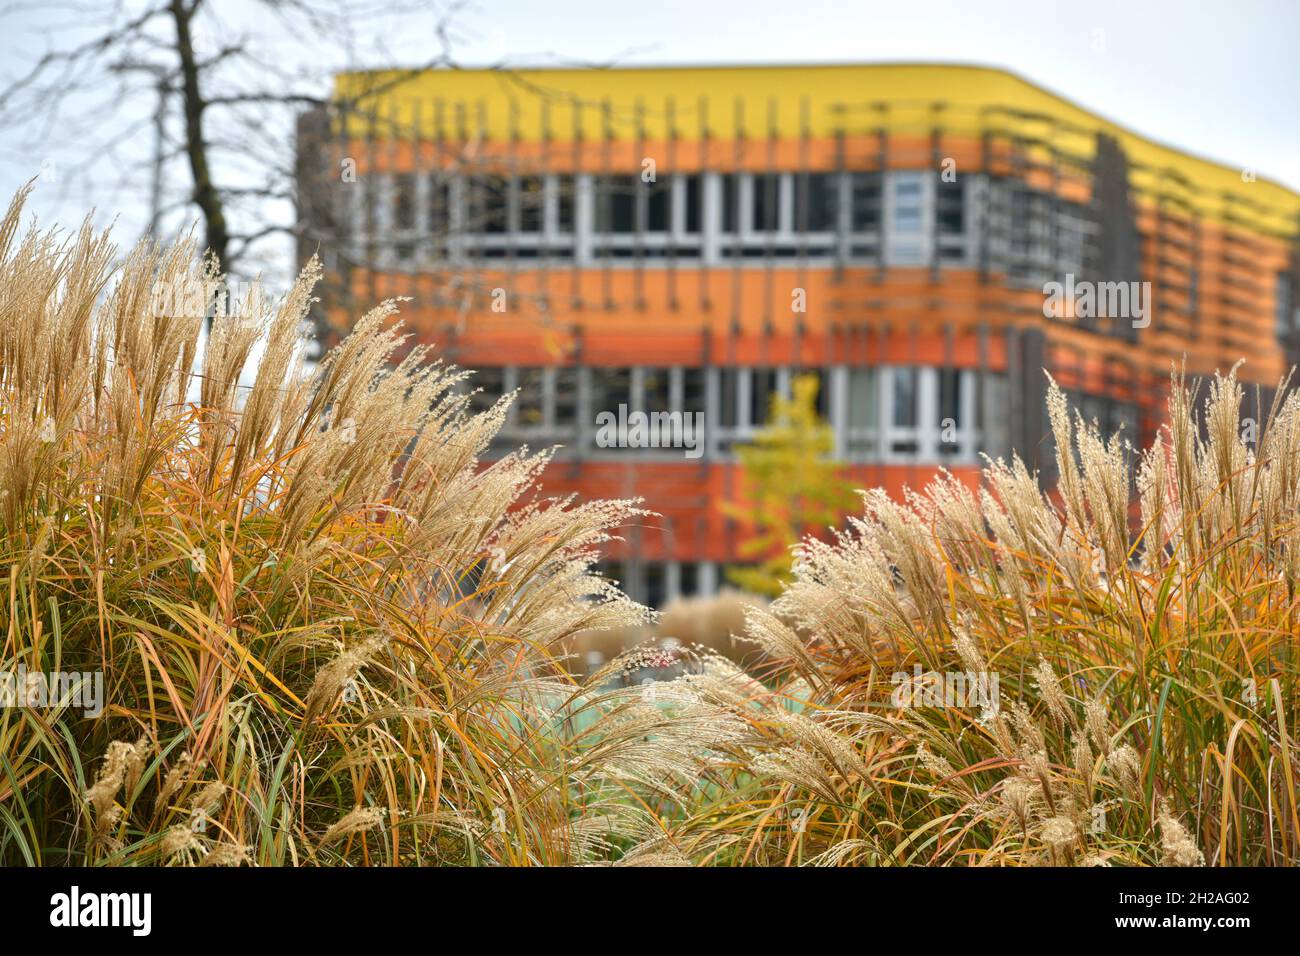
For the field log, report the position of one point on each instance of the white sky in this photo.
(1218, 79)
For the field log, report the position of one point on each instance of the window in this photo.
(864, 189)
(907, 202)
(1043, 237)
(906, 241)
(404, 201)
(1111, 415)
(488, 204)
(862, 412)
(915, 413)
(439, 205)
(951, 418)
(745, 397)
(744, 403)
(989, 417)
(903, 401)
(611, 571)
(761, 389)
(693, 390)
(950, 205)
(729, 397)
(1284, 306)
(765, 204)
(529, 409)
(545, 405)
(949, 395)
(1028, 228)
(821, 402)
(656, 390)
(729, 185)
(529, 203)
(491, 381)
(688, 579)
(610, 387)
(566, 396)
(901, 412)
(564, 190)
(656, 585)
(616, 204)
(816, 202)
(1074, 231)
(659, 198)
(693, 200)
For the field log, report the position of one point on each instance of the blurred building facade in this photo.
(689, 239)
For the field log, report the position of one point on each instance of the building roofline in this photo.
(986, 68)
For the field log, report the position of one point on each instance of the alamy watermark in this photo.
(75, 908)
(194, 298)
(81, 689)
(1093, 300)
(638, 429)
(964, 689)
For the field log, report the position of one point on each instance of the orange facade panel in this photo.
(689, 524)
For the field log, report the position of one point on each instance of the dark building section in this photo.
(1119, 245)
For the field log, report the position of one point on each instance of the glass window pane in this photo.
(566, 396)
(693, 200)
(951, 207)
(688, 578)
(904, 398)
(488, 204)
(950, 396)
(529, 405)
(656, 585)
(907, 187)
(564, 203)
(658, 202)
(439, 205)
(610, 387)
(530, 203)
(907, 201)
(656, 386)
(862, 398)
(762, 387)
(492, 382)
(865, 202)
(616, 204)
(728, 387)
(815, 203)
(693, 389)
(729, 183)
(1283, 313)
(765, 205)
(612, 571)
(404, 201)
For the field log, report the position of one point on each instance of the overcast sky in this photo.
(1218, 79)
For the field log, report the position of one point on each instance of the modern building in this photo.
(688, 239)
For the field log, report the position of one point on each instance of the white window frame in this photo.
(861, 443)
(881, 438)
(549, 429)
(907, 248)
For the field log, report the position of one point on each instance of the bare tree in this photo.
(238, 103)
(220, 96)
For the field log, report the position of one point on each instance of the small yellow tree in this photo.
(791, 485)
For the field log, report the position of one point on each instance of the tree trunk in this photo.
(205, 193)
